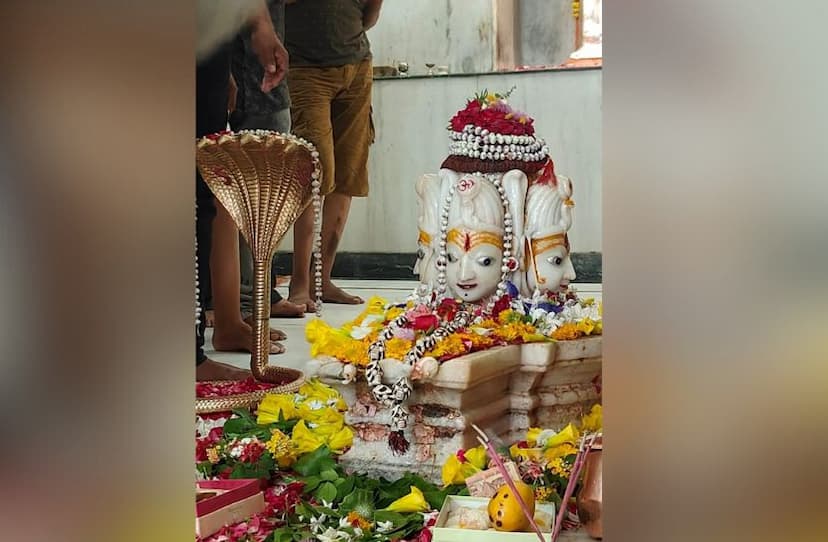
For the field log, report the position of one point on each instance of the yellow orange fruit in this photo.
(504, 509)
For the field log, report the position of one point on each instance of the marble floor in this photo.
(297, 352)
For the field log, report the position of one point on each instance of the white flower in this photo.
(203, 427)
(316, 404)
(384, 526)
(349, 373)
(537, 314)
(318, 523)
(333, 535)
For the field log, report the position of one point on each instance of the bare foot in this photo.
(285, 308)
(275, 334)
(240, 339)
(210, 318)
(310, 306)
(335, 294)
(215, 370)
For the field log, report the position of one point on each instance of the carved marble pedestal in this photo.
(503, 390)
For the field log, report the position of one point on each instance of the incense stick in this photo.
(484, 440)
(580, 460)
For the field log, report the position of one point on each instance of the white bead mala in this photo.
(316, 201)
(395, 396)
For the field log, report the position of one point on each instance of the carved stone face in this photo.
(428, 199)
(550, 266)
(474, 260)
(425, 265)
(552, 269)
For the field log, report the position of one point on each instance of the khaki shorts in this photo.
(331, 108)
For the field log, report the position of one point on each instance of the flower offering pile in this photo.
(292, 444)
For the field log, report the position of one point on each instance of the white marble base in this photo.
(503, 390)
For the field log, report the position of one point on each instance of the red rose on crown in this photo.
(498, 118)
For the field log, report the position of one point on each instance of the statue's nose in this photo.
(466, 269)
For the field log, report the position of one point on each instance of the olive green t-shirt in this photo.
(325, 33)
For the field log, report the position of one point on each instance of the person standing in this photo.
(212, 96)
(254, 109)
(330, 79)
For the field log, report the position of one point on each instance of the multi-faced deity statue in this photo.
(548, 219)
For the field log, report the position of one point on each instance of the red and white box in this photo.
(225, 502)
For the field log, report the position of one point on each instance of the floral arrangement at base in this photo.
(512, 320)
(427, 329)
(310, 497)
(291, 443)
(545, 459)
(286, 427)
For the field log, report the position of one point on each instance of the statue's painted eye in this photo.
(421, 253)
(486, 262)
(557, 260)
(451, 258)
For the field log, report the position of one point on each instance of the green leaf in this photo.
(326, 492)
(314, 463)
(329, 474)
(361, 501)
(344, 486)
(311, 483)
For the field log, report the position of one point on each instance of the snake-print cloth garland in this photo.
(395, 396)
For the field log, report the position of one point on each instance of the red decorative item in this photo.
(224, 388)
(224, 502)
(547, 174)
(425, 322)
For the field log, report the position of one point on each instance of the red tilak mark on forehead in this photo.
(466, 241)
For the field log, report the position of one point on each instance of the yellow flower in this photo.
(586, 326)
(526, 454)
(281, 448)
(413, 502)
(455, 470)
(212, 455)
(558, 467)
(544, 494)
(532, 435)
(568, 434)
(393, 313)
(314, 389)
(395, 348)
(341, 440)
(315, 411)
(304, 440)
(275, 405)
(566, 332)
(558, 452)
(593, 422)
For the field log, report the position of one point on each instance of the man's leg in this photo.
(211, 111)
(353, 134)
(311, 93)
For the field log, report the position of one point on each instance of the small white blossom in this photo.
(316, 404)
